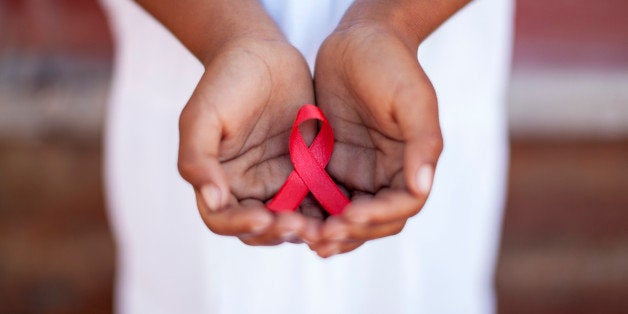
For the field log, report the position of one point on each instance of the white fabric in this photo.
(168, 262)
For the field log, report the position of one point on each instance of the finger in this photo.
(249, 217)
(350, 246)
(200, 132)
(345, 231)
(416, 111)
(287, 227)
(334, 229)
(313, 215)
(331, 248)
(309, 207)
(388, 205)
(312, 231)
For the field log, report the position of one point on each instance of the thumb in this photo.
(416, 111)
(200, 133)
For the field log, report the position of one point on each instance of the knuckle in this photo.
(413, 211)
(213, 225)
(397, 229)
(188, 114)
(364, 233)
(187, 168)
(249, 241)
(434, 144)
(183, 116)
(219, 230)
(355, 235)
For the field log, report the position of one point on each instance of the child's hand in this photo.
(234, 139)
(384, 113)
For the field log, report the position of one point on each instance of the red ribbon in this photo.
(309, 173)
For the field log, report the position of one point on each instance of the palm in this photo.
(255, 94)
(383, 111)
(358, 80)
(365, 158)
(234, 138)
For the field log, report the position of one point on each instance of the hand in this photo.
(384, 113)
(234, 139)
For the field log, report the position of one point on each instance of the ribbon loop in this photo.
(309, 173)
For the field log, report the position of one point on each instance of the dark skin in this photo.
(234, 130)
(384, 111)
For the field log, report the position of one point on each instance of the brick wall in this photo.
(61, 27)
(565, 240)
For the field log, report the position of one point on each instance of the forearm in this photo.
(204, 26)
(413, 20)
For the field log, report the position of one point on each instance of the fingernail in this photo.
(211, 194)
(424, 178)
(258, 228)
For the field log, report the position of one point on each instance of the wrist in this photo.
(204, 27)
(239, 37)
(395, 17)
(249, 26)
(412, 21)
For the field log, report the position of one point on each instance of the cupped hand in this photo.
(384, 113)
(234, 139)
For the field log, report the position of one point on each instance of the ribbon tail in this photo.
(290, 195)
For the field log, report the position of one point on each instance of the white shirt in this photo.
(168, 262)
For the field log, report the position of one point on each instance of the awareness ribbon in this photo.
(309, 173)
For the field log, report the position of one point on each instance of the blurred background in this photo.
(565, 237)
